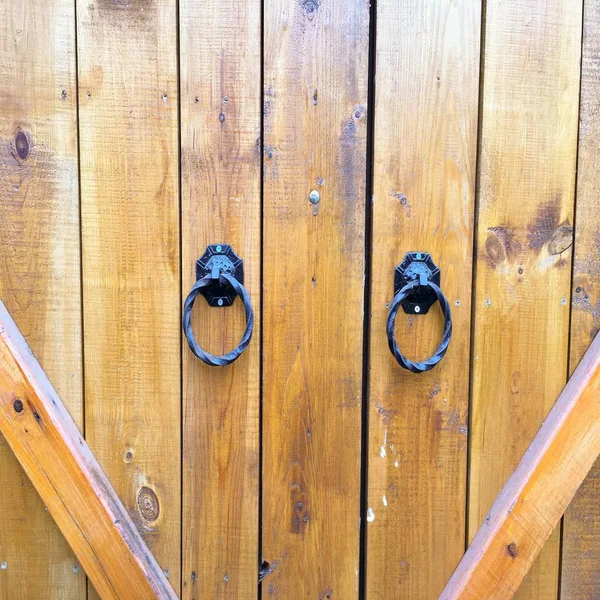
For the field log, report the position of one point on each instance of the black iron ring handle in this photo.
(427, 365)
(211, 359)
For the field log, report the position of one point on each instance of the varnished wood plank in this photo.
(424, 187)
(527, 174)
(220, 136)
(39, 265)
(315, 120)
(130, 239)
(581, 530)
(59, 463)
(537, 493)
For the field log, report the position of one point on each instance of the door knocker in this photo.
(219, 278)
(416, 288)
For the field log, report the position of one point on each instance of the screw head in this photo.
(18, 405)
(220, 301)
(418, 256)
(219, 248)
(417, 309)
(314, 197)
(3, 566)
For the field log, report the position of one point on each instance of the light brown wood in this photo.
(426, 103)
(527, 175)
(61, 467)
(39, 265)
(537, 493)
(128, 123)
(220, 137)
(581, 530)
(315, 124)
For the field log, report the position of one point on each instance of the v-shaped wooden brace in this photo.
(537, 493)
(65, 473)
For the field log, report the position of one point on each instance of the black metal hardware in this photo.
(416, 288)
(219, 278)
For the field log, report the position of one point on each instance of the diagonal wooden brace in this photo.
(537, 493)
(65, 473)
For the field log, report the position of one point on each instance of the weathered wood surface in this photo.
(63, 470)
(315, 122)
(424, 187)
(581, 530)
(128, 124)
(527, 175)
(220, 50)
(537, 493)
(39, 265)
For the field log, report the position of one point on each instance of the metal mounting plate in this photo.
(222, 257)
(412, 267)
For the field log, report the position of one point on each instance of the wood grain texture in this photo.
(130, 240)
(315, 121)
(537, 493)
(60, 465)
(424, 187)
(220, 126)
(527, 175)
(39, 264)
(581, 530)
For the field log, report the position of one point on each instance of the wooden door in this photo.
(323, 140)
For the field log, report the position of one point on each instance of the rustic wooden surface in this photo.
(537, 493)
(426, 103)
(39, 265)
(581, 531)
(60, 465)
(527, 175)
(220, 126)
(128, 125)
(315, 123)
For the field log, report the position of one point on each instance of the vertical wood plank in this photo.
(527, 175)
(130, 242)
(581, 531)
(426, 104)
(220, 125)
(315, 116)
(39, 264)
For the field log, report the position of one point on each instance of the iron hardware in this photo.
(219, 278)
(416, 288)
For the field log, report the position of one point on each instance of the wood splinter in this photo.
(537, 493)
(63, 470)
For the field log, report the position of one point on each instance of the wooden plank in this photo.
(315, 121)
(537, 493)
(39, 264)
(220, 135)
(581, 528)
(131, 268)
(59, 463)
(527, 174)
(426, 106)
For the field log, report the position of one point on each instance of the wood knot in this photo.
(148, 504)
(18, 405)
(561, 239)
(512, 550)
(22, 145)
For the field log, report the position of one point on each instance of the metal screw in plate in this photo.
(417, 309)
(220, 301)
(218, 248)
(314, 197)
(3, 566)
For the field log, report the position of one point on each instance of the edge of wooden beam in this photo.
(537, 493)
(64, 471)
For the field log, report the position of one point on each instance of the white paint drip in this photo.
(384, 500)
(370, 515)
